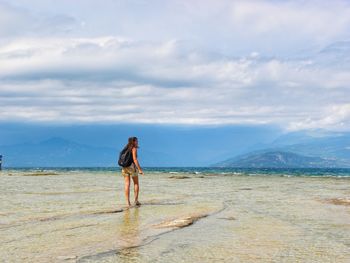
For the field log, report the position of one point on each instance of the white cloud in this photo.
(331, 117)
(167, 77)
(224, 26)
(298, 17)
(18, 21)
(113, 80)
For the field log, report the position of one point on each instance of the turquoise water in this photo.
(336, 172)
(187, 215)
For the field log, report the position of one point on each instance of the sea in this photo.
(187, 214)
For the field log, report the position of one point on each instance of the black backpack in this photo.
(125, 158)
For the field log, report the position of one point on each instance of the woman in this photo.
(132, 171)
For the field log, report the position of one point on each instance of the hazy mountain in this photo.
(58, 152)
(160, 145)
(332, 147)
(318, 150)
(278, 159)
(163, 146)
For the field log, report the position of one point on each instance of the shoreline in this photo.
(74, 216)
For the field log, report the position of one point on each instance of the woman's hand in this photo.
(141, 172)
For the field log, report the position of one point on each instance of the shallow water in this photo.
(76, 216)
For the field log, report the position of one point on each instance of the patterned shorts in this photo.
(130, 170)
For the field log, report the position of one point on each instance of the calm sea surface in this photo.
(187, 215)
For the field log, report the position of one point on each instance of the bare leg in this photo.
(136, 189)
(127, 189)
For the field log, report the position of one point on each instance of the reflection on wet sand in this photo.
(129, 230)
(129, 227)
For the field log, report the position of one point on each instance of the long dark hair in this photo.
(131, 143)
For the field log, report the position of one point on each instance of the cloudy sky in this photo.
(197, 62)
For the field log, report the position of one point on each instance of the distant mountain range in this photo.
(297, 150)
(99, 144)
(279, 159)
(58, 152)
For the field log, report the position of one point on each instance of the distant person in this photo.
(130, 167)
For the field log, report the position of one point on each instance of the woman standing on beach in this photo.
(132, 171)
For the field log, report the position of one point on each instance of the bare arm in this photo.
(134, 156)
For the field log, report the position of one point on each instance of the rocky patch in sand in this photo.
(338, 201)
(180, 222)
(40, 174)
(228, 218)
(179, 177)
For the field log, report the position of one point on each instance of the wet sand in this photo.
(80, 216)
